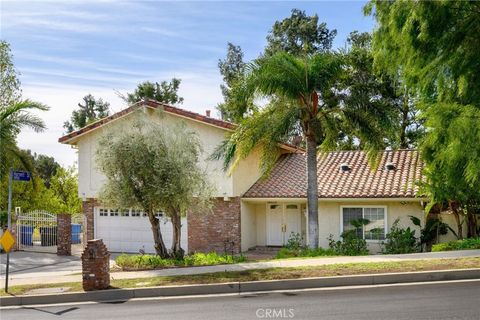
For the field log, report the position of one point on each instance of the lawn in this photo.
(275, 274)
(146, 262)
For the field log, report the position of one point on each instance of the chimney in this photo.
(208, 113)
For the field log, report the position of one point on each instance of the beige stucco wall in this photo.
(248, 226)
(254, 219)
(91, 180)
(450, 220)
(329, 218)
(246, 173)
(261, 210)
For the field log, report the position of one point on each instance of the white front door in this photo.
(292, 220)
(282, 220)
(274, 225)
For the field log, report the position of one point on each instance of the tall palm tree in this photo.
(303, 99)
(12, 119)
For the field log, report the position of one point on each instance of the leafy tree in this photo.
(452, 152)
(64, 186)
(434, 42)
(365, 87)
(303, 100)
(12, 119)
(299, 34)
(232, 68)
(45, 167)
(90, 111)
(166, 92)
(14, 113)
(154, 168)
(434, 45)
(10, 92)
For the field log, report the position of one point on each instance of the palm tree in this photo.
(304, 100)
(12, 119)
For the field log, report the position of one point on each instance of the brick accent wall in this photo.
(216, 231)
(64, 235)
(88, 211)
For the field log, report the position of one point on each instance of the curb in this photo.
(242, 287)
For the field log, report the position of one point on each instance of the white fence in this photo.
(38, 231)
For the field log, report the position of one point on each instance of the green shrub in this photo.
(400, 240)
(466, 244)
(147, 261)
(350, 245)
(295, 242)
(304, 252)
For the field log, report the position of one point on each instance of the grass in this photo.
(286, 253)
(148, 262)
(275, 274)
(466, 244)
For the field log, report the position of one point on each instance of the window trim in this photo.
(363, 206)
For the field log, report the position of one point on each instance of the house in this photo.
(249, 211)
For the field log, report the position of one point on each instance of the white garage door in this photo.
(130, 230)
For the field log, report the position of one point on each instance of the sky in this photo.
(67, 49)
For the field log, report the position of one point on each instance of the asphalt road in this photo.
(454, 300)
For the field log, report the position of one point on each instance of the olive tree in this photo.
(155, 167)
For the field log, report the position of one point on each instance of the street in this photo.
(441, 300)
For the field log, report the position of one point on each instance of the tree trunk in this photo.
(160, 248)
(471, 224)
(177, 250)
(454, 206)
(404, 125)
(312, 192)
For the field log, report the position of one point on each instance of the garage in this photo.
(129, 230)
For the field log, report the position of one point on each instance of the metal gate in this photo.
(37, 231)
(78, 225)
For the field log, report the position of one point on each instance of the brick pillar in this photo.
(218, 230)
(64, 234)
(95, 266)
(88, 208)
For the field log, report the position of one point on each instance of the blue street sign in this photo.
(21, 175)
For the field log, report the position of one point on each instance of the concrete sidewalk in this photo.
(60, 276)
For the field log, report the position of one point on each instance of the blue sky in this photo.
(67, 49)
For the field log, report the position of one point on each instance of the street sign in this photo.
(7, 241)
(21, 175)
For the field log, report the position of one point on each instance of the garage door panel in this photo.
(130, 234)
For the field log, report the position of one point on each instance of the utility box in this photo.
(95, 266)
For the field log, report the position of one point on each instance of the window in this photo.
(159, 214)
(114, 212)
(292, 206)
(374, 230)
(125, 212)
(136, 213)
(103, 212)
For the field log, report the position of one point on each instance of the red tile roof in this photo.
(153, 104)
(288, 178)
(168, 108)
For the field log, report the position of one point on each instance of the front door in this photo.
(292, 220)
(282, 220)
(275, 225)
